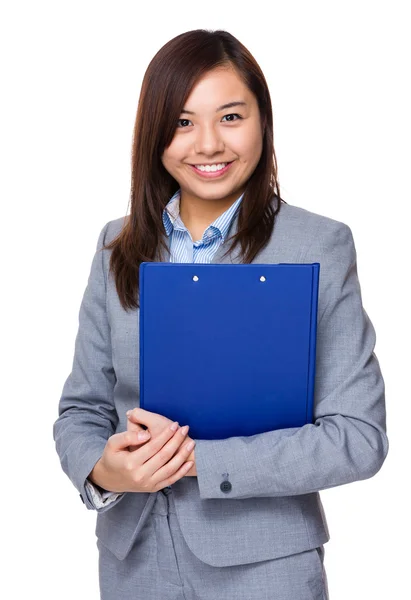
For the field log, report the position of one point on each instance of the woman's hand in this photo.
(158, 463)
(155, 423)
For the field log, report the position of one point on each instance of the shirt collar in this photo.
(172, 220)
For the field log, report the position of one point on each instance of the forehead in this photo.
(218, 87)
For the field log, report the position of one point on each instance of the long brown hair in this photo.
(167, 83)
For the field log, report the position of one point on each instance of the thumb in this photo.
(136, 429)
(122, 441)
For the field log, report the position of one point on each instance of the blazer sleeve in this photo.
(87, 415)
(347, 441)
(99, 496)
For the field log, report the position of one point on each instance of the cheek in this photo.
(171, 164)
(177, 150)
(170, 155)
(256, 147)
(248, 145)
(256, 140)
(251, 155)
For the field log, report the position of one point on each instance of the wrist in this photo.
(96, 474)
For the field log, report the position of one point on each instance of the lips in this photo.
(211, 174)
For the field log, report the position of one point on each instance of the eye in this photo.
(185, 120)
(232, 115)
(188, 120)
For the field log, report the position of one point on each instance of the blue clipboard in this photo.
(229, 349)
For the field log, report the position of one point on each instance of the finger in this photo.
(165, 448)
(121, 441)
(140, 415)
(176, 467)
(152, 447)
(183, 470)
(131, 416)
(135, 427)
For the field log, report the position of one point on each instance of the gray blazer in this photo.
(273, 508)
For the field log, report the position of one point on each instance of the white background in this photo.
(71, 74)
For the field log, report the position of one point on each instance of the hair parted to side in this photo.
(167, 83)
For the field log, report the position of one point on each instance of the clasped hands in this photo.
(145, 460)
(155, 424)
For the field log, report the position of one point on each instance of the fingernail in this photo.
(174, 426)
(128, 413)
(143, 435)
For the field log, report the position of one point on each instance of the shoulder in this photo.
(111, 230)
(311, 230)
(114, 227)
(311, 222)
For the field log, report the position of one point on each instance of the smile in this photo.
(211, 171)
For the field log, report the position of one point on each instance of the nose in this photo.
(208, 141)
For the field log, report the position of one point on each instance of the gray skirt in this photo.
(160, 565)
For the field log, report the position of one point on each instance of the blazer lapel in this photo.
(232, 257)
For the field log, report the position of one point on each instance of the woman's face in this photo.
(207, 134)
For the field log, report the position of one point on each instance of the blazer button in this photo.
(225, 486)
(82, 498)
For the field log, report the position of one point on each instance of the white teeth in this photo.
(210, 169)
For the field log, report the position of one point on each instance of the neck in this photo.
(198, 213)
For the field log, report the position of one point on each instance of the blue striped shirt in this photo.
(183, 248)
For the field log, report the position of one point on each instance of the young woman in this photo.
(238, 517)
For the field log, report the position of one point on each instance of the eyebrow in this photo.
(222, 107)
